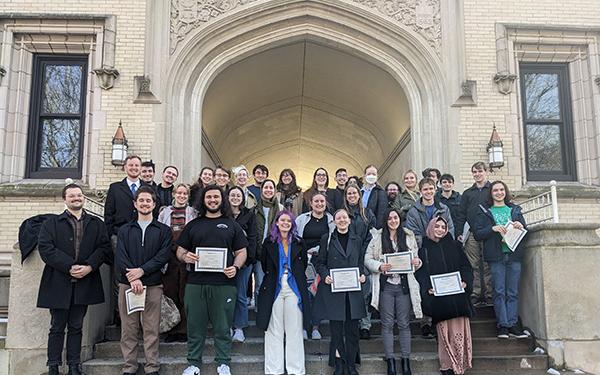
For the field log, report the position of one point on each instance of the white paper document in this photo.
(401, 262)
(446, 284)
(135, 302)
(211, 259)
(513, 236)
(345, 279)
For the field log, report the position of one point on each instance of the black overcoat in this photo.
(270, 264)
(331, 255)
(57, 249)
(444, 257)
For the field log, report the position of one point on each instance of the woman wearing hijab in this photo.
(283, 307)
(395, 296)
(343, 248)
(442, 254)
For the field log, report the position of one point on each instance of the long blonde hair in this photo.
(361, 208)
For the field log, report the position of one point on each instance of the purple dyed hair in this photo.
(274, 234)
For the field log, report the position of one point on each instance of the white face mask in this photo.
(371, 179)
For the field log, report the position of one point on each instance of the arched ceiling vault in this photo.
(304, 105)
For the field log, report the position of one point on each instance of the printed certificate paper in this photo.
(401, 262)
(211, 259)
(135, 302)
(513, 236)
(345, 279)
(446, 284)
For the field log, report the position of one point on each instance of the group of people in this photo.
(288, 243)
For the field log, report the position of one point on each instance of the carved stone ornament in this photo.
(107, 77)
(143, 91)
(421, 16)
(597, 80)
(504, 82)
(2, 73)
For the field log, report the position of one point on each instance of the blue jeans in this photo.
(258, 279)
(505, 279)
(240, 314)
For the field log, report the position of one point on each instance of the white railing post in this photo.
(554, 197)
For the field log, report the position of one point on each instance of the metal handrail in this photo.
(542, 207)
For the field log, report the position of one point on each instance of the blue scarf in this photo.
(283, 260)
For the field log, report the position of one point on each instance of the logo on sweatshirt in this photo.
(222, 226)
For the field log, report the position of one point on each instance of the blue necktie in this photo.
(133, 188)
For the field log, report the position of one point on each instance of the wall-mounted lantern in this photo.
(495, 150)
(119, 147)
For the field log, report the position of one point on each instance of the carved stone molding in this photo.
(468, 96)
(143, 91)
(107, 77)
(421, 16)
(505, 82)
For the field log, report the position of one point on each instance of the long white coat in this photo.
(374, 259)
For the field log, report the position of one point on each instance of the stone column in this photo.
(560, 296)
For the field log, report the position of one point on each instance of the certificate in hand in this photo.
(345, 279)
(401, 262)
(513, 236)
(135, 302)
(446, 284)
(211, 259)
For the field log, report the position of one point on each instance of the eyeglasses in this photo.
(321, 175)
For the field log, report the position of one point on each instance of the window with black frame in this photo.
(57, 116)
(548, 130)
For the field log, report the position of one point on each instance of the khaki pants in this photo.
(149, 319)
(482, 278)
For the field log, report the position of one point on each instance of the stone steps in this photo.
(492, 356)
(315, 364)
(255, 346)
(484, 327)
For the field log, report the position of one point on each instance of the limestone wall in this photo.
(559, 299)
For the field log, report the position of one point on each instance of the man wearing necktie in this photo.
(119, 210)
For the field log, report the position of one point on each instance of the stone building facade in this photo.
(400, 84)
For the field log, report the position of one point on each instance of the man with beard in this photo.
(143, 248)
(211, 296)
(164, 190)
(392, 189)
(73, 245)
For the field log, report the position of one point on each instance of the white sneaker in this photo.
(191, 370)
(305, 334)
(316, 335)
(238, 335)
(223, 370)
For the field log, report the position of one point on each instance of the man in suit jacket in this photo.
(119, 210)
(73, 245)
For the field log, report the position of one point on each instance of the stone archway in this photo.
(408, 57)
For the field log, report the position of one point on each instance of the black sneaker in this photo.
(502, 332)
(427, 332)
(514, 331)
(365, 334)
